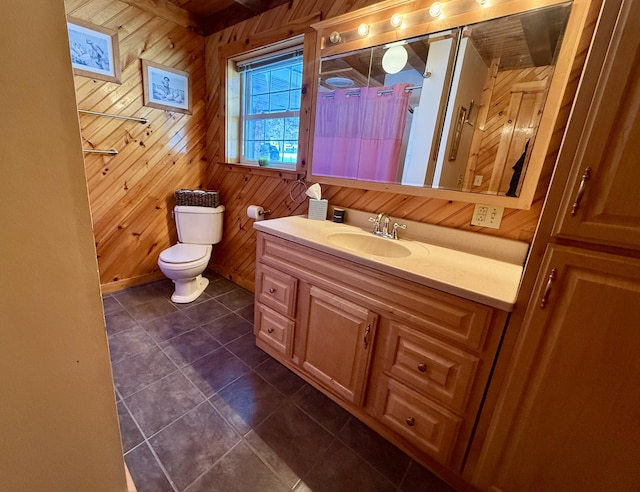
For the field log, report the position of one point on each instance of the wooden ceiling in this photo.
(207, 16)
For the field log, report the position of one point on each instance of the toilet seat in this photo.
(184, 253)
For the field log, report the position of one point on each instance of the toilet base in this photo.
(189, 290)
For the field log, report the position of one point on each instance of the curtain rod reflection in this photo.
(356, 92)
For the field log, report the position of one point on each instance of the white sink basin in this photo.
(371, 245)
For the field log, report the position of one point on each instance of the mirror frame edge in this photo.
(574, 36)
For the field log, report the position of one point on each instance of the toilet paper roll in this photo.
(255, 212)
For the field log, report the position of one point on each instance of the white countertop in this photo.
(485, 280)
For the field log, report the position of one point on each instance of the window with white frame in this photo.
(267, 96)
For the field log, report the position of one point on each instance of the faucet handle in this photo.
(376, 223)
(397, 226)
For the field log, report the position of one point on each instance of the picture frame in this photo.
(94, 51)
(166, 87)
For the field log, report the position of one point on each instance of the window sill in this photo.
(263, 171)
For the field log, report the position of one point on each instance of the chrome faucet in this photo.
(381, 224)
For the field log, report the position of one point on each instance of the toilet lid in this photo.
(183, 253)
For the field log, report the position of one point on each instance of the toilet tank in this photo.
(199, 225)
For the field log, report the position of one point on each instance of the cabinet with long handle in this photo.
(566, 415)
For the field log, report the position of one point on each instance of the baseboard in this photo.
(130, 282)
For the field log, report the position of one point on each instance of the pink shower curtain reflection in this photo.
(358, 133)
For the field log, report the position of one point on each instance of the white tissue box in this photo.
(318, 209)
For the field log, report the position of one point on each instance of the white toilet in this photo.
(198, 229)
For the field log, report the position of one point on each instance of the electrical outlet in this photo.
(477, 181)
(487, 216)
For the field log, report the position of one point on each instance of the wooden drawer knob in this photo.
(410, 421)
(271, 290)
(269, 330)
(422, 367)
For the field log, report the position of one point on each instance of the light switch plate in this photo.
(487, 216)
(477, 181)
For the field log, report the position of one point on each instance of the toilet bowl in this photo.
(184, 264)
(199, 228)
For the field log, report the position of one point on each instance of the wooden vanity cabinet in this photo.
(410, 361)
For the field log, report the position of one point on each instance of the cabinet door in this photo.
(569, 416)
(338, 338)
(600, 201)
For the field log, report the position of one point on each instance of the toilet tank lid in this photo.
(199, 210)
(184, 253)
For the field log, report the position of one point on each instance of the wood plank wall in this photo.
(497, 118)
(131, 194)
(234, 257)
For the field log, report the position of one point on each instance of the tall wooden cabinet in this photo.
(567, 415)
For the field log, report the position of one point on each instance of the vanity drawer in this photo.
(274, 329)
(425, 424)
(276, 290)
(430, 366)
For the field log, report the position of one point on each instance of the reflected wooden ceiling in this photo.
(519, 41)
(207, 16)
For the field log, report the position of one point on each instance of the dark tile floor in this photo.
(202, 409)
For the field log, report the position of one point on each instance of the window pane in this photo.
(259, 104)
(252, 150)
(259, 83)
(291, 127)
(294, 103)
(255, 130)
(274, 129)
(279, 101)
(280, 79)
(296, 76)
(290, 151)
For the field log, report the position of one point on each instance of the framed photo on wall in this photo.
(166, 88)
(94, 51)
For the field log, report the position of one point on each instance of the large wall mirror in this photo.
(455, 100)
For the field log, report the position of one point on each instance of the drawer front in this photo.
(276, 290)
(430, 366)
(428, 426)
(274, 329)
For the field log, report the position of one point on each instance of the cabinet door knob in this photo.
(271, 290)
(422, 367)
(410, 421)
(269, 330)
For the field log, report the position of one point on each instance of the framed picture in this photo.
(94, 51)
(166, 88)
